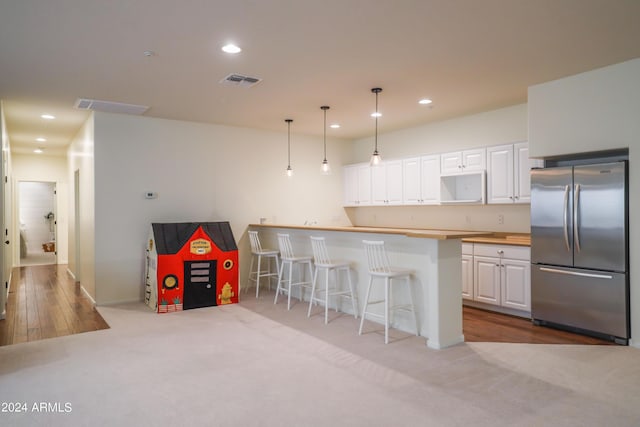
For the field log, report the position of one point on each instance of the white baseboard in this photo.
(87, 295)
(70, 273)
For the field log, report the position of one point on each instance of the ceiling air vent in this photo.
(240, 80)
(109, 107)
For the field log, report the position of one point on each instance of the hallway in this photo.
(45, 302)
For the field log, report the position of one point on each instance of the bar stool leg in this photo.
(275, 300)
(258, 276)
(289, 291)
(326, 295)
(413, 307)
(386, 310)
(366, 303)
(354, 302)
(313, 291)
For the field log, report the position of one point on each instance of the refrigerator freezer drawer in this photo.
(592, 300)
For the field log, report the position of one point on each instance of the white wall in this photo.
(201, 172)
(496, 127)
(50, 169)
(6, 216)
(80, 157)
(593, 111)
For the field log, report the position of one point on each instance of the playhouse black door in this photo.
(199, 284)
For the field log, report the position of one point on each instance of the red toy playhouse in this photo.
(191, 265)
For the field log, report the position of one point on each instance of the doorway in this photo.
(37, 222)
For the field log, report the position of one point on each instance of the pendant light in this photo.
(376, 159)
(289, 170)
(325, 169)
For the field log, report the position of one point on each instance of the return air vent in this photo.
(240, 80)
(109, 107)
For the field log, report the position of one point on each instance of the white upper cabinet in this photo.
(508, 170)
(463, 161)
(357, 185)
(386, 183)
(500, 174)
(421, 180)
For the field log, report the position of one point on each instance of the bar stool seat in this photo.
(379, 268)
(289, 259)
(323, 262)
(258, 252)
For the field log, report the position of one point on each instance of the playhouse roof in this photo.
(171, 237)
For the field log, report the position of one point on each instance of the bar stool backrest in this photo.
(320, 253)
(284, 243)
(254, 240)
(376, 256)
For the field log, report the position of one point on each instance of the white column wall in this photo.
(80, 157)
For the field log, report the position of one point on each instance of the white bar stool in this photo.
(288, 258)
(379, 268)
(323, 262)
(259, 252)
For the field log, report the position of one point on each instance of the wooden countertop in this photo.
(514, 239)
(409, 232)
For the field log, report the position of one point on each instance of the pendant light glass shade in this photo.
(376, 158)
(325, 168)
(289, 170)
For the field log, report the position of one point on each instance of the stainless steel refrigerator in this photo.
(579, 247)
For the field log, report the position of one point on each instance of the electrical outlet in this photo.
(500, 219)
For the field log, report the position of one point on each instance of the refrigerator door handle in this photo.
(576, 273)
(576, 228)
(564, 218)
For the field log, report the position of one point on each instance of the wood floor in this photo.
(486, 326)
(45, 302)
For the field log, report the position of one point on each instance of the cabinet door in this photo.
(451, 162)
(378, 185)
(350, 175)
(394, 181)
(516, 284)
(364, 185)
(411, 180)
(522, 173)
(500, 174)
(486, 275)
(467, 276)
(474, 160)
(430, 179)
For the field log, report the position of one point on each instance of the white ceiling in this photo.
(466, 55)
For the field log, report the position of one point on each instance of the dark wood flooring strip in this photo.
(486, 326)
(45, 302)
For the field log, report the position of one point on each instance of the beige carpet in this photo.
(256, 364)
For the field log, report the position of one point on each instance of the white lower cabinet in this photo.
(467, 271)
(501, 276)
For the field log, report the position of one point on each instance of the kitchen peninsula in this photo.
(435, 255)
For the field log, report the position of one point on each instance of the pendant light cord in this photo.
(325, 108)
(376, 139)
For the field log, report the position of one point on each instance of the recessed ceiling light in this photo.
(335, 126)
(48, 117)
(41, 139)
(231, 48)
(425, 101)
(149, 53)
(378, 114)
(38, 150)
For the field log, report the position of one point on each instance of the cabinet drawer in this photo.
(467, 248)
(508, 251)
